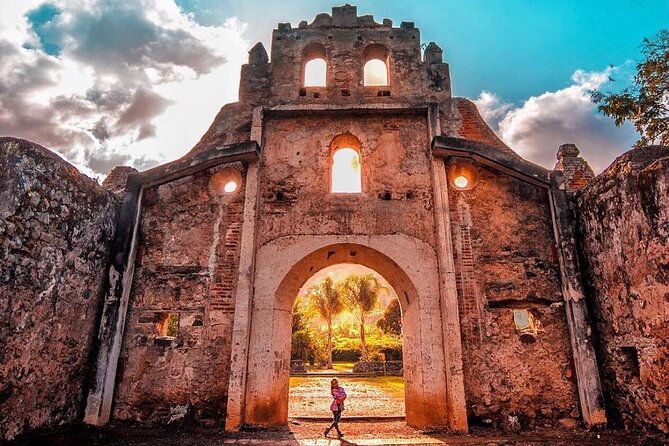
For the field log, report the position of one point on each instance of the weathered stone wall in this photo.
(346, 42)
(396, 186)
(504, 255)
(624, 216)
(56, 226)
(187, 264)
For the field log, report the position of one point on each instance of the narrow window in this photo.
(375, 70)
(314, 66)
(346, 175)
(376, 73)
(315, 72)
(167, 325)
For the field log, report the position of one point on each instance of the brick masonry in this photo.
(504, 257)
(187, 264)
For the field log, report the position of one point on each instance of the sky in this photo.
(137, 82)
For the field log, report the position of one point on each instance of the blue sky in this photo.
(107, 82)
(516, 47)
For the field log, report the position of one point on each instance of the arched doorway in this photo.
(284, 265)
(347, 324)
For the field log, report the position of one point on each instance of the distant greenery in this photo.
(391, 321)
(646, 103)
(346, 335)
(172, 325)
(325, 300)
(362, 294)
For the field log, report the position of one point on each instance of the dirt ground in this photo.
(374, 396)
(311, 434)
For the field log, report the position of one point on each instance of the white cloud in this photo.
(536, 128)
(105, 82)
(492, 108)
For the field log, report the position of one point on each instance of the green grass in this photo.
(337, 366)
(390, 384)
(393, 385)
(343, 366)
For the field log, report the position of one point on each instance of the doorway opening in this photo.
(347, 324)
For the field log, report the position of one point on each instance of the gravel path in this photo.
(378, 396)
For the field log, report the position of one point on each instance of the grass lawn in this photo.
(345, 367)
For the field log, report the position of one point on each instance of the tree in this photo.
(300, 316)
(646, 102)
(362, 293)
(301, 342)
(325, 300)
(391, 320)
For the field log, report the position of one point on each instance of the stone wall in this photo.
(396, 186)
(505, 260)
(56, 226)
(624, 216)
(186, 266)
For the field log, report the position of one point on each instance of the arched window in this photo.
(314, 66)
(346, 168)
(375, 72)
(315, 73)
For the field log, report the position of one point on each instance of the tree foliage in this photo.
(391, 320)
(325, 300)
(646, 102)
(362, 294)
(302, 342)
(344, 306)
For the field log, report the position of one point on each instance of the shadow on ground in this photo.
(311, 434)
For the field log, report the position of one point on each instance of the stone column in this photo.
(580, 331)
(457, 407)
(241, 327)
(112, 323)
(577, 172)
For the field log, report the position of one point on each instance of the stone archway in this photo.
(284, 265)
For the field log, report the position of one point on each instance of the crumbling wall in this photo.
(187, 265)
(624, 219)
(56, 226)
(505, 261)
(396, 185)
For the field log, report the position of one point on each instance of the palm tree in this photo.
(362, 293)
(325, 300)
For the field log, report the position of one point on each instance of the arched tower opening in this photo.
(376, 66)
(314, 66)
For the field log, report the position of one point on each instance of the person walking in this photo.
(337, 406)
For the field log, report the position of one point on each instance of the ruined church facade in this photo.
(195, 305)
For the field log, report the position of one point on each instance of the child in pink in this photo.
(338, 397)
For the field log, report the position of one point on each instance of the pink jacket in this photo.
(339, 395)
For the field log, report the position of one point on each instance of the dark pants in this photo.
(336, 416)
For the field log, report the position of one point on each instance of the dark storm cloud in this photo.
(145, 106)
(103, 161)
(116, 44)
(118, 38)
(24, 72)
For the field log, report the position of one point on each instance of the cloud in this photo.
(492, 108)
(97, 80)
(537, 127)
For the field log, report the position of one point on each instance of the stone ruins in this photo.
(525, 292)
